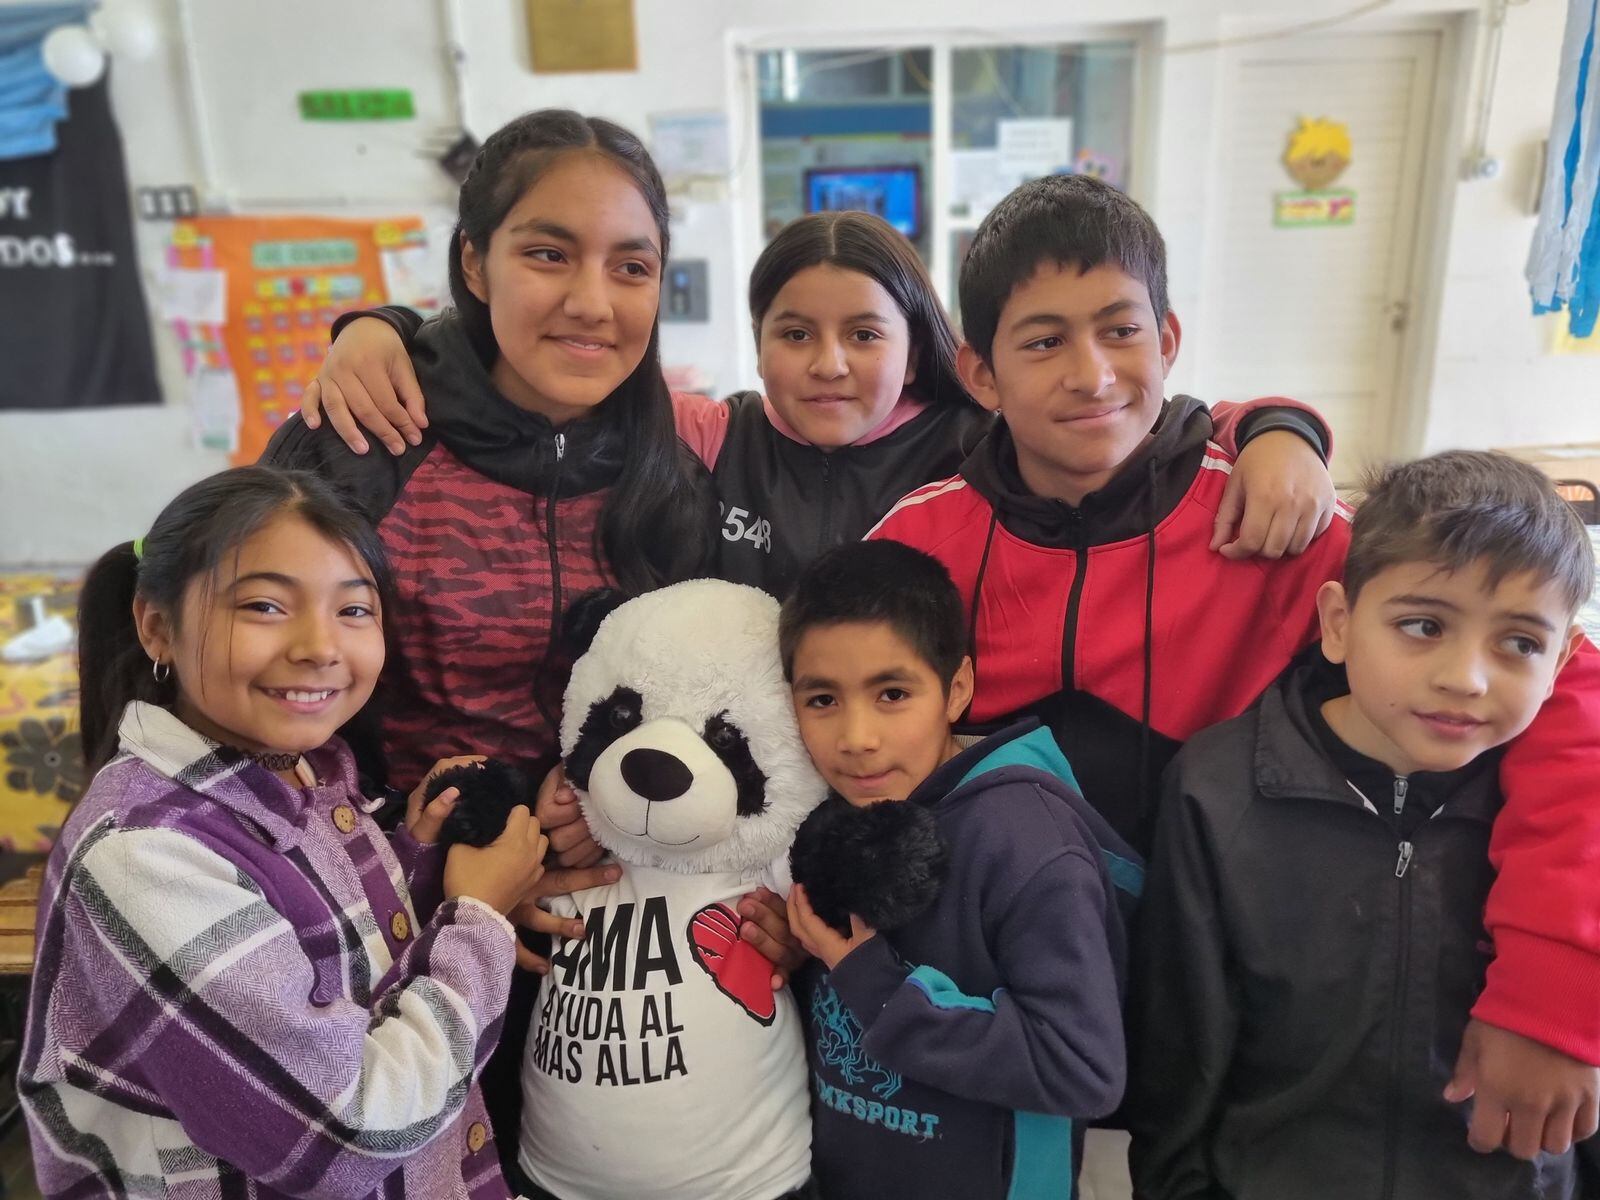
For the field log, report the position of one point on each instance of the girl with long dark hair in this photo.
(551, 466)
(243, 985)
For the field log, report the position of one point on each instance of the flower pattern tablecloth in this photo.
(41, 754)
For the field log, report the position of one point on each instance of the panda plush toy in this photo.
(660, 1061)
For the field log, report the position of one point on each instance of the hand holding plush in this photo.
(489, 790)
(884, 863)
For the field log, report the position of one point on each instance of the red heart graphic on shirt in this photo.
(740, 971)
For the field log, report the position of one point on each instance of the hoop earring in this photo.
(162, 671)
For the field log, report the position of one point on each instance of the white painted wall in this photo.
(1495, 382)
(72, 484)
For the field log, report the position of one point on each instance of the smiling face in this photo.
(572, 280)
(1078, 370)
(280, 648)
(835, 355)
(1442, 666)
(873, 713)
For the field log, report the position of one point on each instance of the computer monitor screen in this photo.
(893, 193)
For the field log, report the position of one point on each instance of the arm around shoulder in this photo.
(1543, 912)
(1234, 423)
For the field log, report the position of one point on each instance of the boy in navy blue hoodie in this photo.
(951, 1055)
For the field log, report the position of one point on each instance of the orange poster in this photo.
(279, 282)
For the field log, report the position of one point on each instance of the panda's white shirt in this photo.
(660, 1062)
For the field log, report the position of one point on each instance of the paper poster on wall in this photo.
(1031, 147)
(215, 409)
(689, 145)
(582, 35)
(193, 294)
(416, 274)
(976, 181)
(1299, 210)
(385, 104)
(1318, 152)
(286, 279)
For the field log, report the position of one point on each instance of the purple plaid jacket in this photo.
(242, 990)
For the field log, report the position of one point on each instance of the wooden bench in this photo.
(19, 906)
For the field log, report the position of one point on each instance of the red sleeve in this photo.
(1226, 416)
(702, 424)
(1543, 912)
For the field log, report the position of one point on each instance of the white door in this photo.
(1321, 313)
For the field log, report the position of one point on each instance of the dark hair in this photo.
(1469, 506)
(1069, 220)
(879, 582)
(656, 525)
(187, 542)
(870, 246)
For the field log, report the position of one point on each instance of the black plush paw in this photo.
(884, 863)
(489, 791)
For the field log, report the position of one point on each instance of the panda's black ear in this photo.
(582, 619)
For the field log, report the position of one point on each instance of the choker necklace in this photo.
(272, 760)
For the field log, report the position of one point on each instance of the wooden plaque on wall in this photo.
(582, 35)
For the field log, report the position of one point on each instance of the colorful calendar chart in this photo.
(284, 280)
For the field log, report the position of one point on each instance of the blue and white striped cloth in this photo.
(1564, 261)
(32, 100)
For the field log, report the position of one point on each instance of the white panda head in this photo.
(679, 733)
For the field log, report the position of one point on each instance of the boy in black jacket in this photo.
(950, 1054)
(1312, 938)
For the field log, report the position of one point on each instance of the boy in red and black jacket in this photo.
(1079, 533)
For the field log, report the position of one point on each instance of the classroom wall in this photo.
(1495, 383)
(1490, 378)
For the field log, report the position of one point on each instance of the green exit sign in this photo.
(382, 105)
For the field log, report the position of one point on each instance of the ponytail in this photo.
(113, 669)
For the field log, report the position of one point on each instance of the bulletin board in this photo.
(252, 301)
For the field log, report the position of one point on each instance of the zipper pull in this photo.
(1401, 786)
(561, 446)
(1405, 860)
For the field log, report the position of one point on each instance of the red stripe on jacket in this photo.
(474, 669)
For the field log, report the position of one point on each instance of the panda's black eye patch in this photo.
(619, 713)
(729, 744)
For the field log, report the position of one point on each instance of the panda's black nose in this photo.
(655, 774)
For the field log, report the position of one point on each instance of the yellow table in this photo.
(41, 754)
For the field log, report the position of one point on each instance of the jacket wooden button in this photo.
(344, 818)
(477, 1136)
(400, 926)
